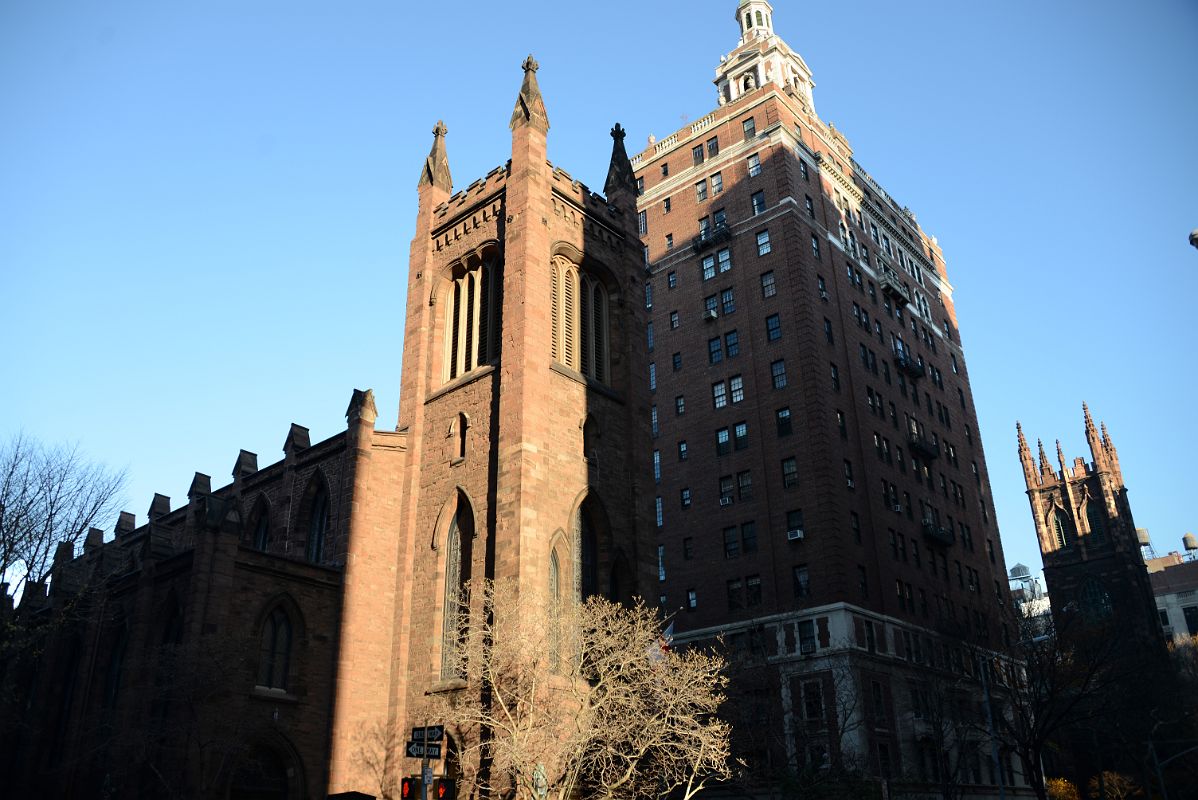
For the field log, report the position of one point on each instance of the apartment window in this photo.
(748, 537)
(720, 218)
(711, 305)
(640, 186)
(732, 344)
(731, 543)
(715, 350)
(790, 472)
(717, 184)
(724, 259)
(802, 581)
(713, 147)
(773, 328)
(652, 377)
(665, 206)
(768, 287)
(754, 165)
(736, 592)
(803, 171)
(692, 600)
(700, 192)
(778, 373)
(723, 444)
(669, 241)
(653, 421)
(758, 202)
(672, 279)
(673, 320)
(809, 205)
(648, 295)
(642, 225)
(744, 488)
(659, 512)
(727, 301)
(682, 451)
(855, 525)
(688, 544)
(783, 421)
(665, 170)
(848, 474)
(737, 384)
(649, 336)
(685, 499)
(725, 489)
(841, 424)
(679, 405)
(863, 587)
(753, 591)
(719, 394)
(763, 243)
(815, 246)
(835, 377)
(676, 360)
(741, 435)
(657, 466)
(697, 154)
(750, 128)
(661, 562)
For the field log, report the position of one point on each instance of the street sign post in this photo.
(426, 745)
(429, 733)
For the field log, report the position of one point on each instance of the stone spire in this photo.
(530, 106)
(1097, 452)
(619, 172)
(436, 166)
(1061, 458)
(1045, 466)
(1025, 458)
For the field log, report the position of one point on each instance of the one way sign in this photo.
(422, 750)
(429, 733)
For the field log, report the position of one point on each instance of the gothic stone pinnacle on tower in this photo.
(530, 106)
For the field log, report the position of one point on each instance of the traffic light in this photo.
(409, 788)
(444, 789)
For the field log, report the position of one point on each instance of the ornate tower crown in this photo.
(761, 57)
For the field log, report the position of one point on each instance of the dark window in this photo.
(773, 328)
(715, 350)
(768, 287)
(750, 128)
(732, 344)
(778, 373)
(318, 526)
(790, 472)
(697, 154)
(759, 202)
(713, 147)
(782, 418)
(274, 657)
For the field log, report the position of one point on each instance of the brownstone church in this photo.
(240, 645)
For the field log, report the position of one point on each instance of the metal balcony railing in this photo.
(892, 286)
(712, 237)
(922, 446)
(908, 365)
(937, 534)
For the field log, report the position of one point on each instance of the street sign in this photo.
(422, 750)
(429, 733)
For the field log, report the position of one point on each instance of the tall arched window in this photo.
(472, 316)
(586, 546)
(554, 608)
(1096, 519)
(260, 525)
(274, 655)
(1095, 602)
(1061, 529)
(116, 666)
(463, 425)
(318, 526)
(580, 310)
(457, 578)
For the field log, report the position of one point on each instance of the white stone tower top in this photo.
(761, 57)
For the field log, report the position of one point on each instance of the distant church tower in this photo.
(1092, 561)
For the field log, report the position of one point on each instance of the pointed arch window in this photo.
(472, 317)
(554, 611)
(586, 545)
(261, 527)
(274, 655)
(1095, 602)
(457, 578)
(116, 667)
(1096, 519)
(580, 308)
(1061, 529)
(318, 526)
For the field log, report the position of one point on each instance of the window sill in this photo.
(447, 685)
(462, 380)
(270, 693)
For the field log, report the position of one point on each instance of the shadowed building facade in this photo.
(821, 492)
(244, 644)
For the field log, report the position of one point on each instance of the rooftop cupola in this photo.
(755, 17)
(761, 58)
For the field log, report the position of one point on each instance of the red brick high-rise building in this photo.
(822, 498)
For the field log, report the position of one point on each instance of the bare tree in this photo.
(567, 697)
(48, 495)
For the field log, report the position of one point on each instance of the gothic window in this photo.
(586, 545)
(274, 655)
(116, 666)
(1095, 602)
(1061, 529)
(318, 526)
(457, 578)
(554, 611)
(1095, 519)
(463, 425)
(580, 320)
(261, 525)
(472, 317)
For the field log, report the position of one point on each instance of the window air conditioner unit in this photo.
(711, 315)
(725, 501)
(794, 534)
(849, 482)
(807, 648)
(823, 294)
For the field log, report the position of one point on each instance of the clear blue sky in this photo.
(205, 208)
